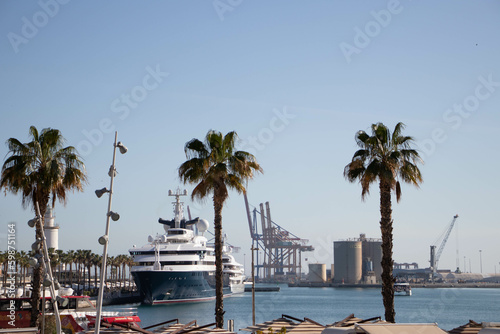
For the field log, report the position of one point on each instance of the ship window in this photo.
(176, 232)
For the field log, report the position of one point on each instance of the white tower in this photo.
(51, 229)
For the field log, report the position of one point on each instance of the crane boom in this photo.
(435, 256)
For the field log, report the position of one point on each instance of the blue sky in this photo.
(295, 80)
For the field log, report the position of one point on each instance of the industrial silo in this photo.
(317, 272)
(372, 252)
(348, 262)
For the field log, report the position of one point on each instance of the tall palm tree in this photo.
(215, 166)
(4, 256)
(41, 170)
(386, 158)
(79, 260)
(23, 261)
(69, 261)
(59, 261)
(96, 263)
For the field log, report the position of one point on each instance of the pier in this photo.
(263, 289)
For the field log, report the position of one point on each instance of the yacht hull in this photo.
(166, 287)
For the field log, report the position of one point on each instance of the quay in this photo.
(413, 285)
(263, 288)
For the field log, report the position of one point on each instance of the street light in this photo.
(481, 261)
(104, 240)
(253, 286)
(100, 192)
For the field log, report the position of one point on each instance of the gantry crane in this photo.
(282, 249)
(444, 237)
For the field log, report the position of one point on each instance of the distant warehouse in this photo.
(357, 260)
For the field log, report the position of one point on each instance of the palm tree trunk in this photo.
(37, 272)
(387, 262)
(219, 304)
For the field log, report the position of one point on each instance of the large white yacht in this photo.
(179, 265)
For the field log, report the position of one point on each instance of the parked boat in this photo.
(179, 265)
(402, 289)
(77, 313)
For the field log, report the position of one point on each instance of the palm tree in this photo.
(215, 166)
(96, 263)
(79, 260)
(387, 158)
(41, 170)
(59, 261)
(69, 261)
(23, 261)
(4, 256)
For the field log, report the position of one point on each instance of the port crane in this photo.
(435, 256)
(282, 250)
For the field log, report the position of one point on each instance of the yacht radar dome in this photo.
(202, 225)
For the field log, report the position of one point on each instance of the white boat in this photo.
(179, 265)
(402, 289)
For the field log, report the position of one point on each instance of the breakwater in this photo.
(413, 285)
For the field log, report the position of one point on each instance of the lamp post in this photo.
(104, 240)
(481, 260)
(253, 286)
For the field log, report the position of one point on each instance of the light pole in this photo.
(253, 286)
(481, 261)
(104, 240)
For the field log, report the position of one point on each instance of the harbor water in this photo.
(448, 307)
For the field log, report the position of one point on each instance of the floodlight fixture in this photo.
(47, 281)
(100, 192)
(57, 285)
(112, 171)
(123, 148)
(103, 239)
(63, 302)
(32, 222)
(36, 245)
(114, 216)
(33, 262)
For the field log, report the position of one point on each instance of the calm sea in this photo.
(449, 308)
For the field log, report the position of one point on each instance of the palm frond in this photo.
(384, 156)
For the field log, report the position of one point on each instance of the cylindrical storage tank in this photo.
(372, 249)
(317, 272)
(348, 262)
